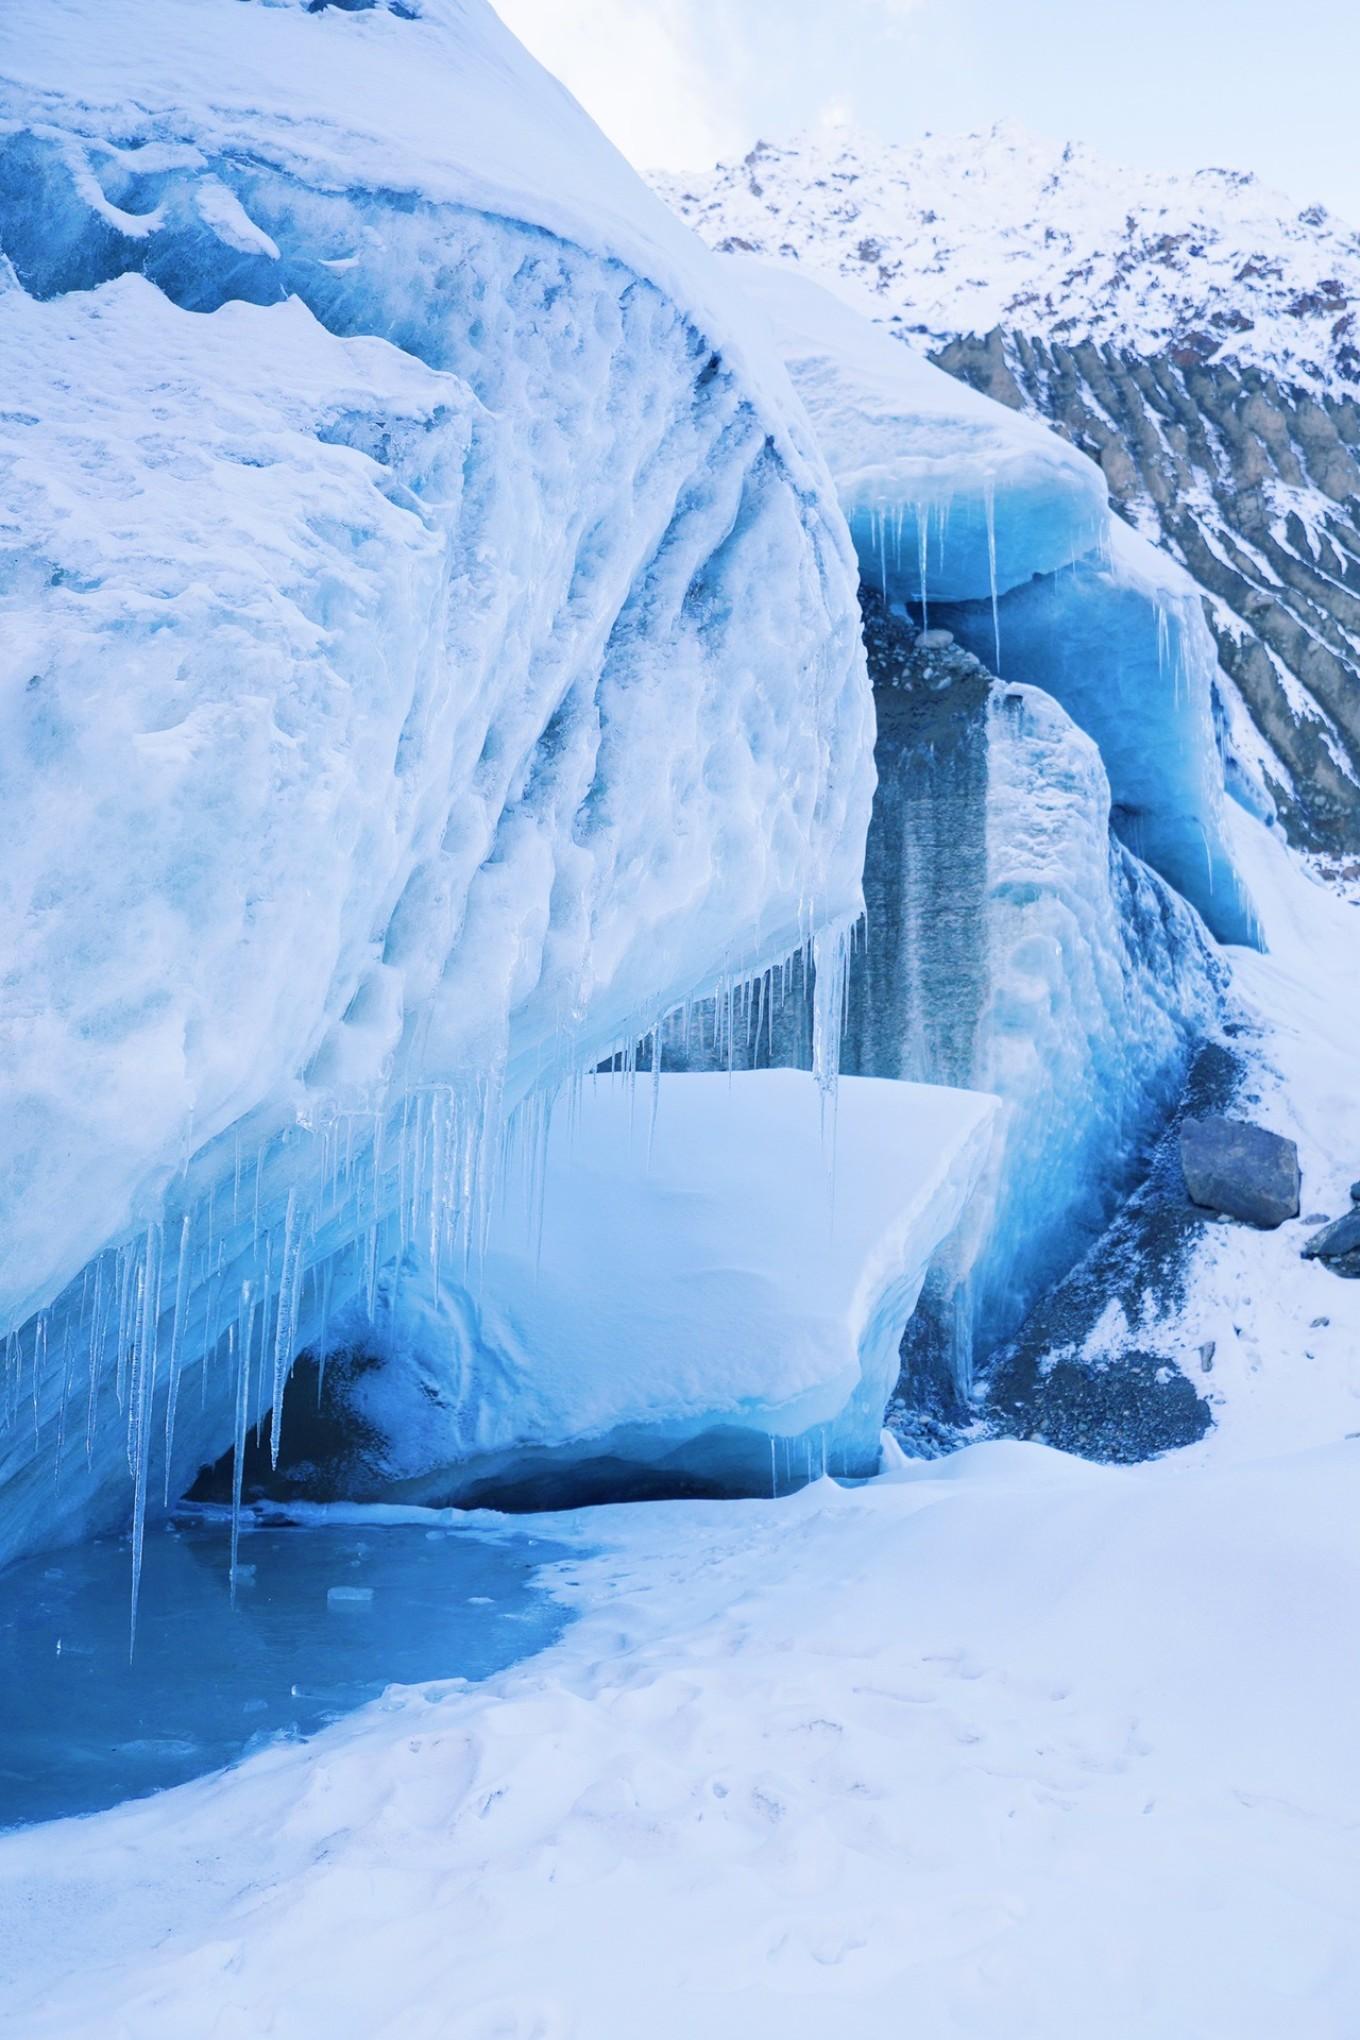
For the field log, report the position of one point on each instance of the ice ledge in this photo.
(716, 1258)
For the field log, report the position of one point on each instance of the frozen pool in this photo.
(326, 1616)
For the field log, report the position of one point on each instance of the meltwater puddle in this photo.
(327, 1616)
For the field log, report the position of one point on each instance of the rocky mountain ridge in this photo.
(1197, 336)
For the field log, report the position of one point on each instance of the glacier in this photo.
(991, 525)
(1014, 943)
(434, 663)
(431, 651)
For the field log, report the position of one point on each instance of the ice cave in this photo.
(378, 775)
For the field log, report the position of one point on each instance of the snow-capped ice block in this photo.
(429, 648)
(950, 496)
(988, 522)
(1121, 641)
(709, 1277)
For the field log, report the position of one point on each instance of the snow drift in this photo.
(431, 648)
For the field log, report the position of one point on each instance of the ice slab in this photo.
(948, 494)
(717, 1278)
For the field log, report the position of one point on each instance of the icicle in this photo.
(989, 502)
(283, 1328)
(239, 1340)
(143, 1395)
(176, 1344)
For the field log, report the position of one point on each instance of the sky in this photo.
(1155, 84)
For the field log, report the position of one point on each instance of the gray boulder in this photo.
(1337, 1246)
(1241, 1170)
(1355, 1193)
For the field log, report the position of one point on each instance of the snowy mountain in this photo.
(1199, 336)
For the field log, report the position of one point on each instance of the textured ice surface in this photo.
(705, 1276)
(430, 647)
(1098, 980)
(988, 522)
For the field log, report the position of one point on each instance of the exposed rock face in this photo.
(1337, 1246)
(1097, 1367)
(1241, 1170)
(1255, 487)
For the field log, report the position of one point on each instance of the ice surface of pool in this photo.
(326, 1617)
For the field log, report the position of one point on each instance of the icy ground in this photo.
(1006, 1745)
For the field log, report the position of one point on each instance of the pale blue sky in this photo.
(1249, 84)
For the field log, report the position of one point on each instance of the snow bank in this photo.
(431, 649)
(710, 1276)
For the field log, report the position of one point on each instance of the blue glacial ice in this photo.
(430, 650)
(989, 524)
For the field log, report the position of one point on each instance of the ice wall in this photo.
(1119, 638)
(988, 523)
(431, 649)
(1098, 982)
(1013, 942)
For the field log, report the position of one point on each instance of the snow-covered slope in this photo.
(430, 648)
(1197, 336)
(958, 234)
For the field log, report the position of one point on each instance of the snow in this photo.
(431, 651)
(710, 1274)
(1031, 1747)
(961, 233)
